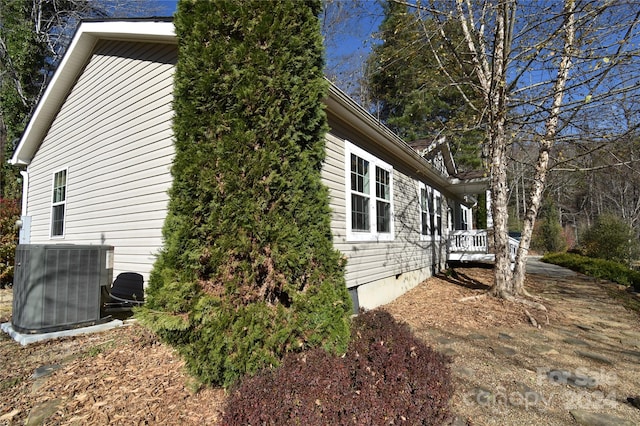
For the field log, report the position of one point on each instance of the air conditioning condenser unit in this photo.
(58, 286)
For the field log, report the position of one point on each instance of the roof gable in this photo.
(72, 64)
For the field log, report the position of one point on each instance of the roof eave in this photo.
(461, 187)
(341, 105)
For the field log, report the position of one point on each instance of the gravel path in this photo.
(583, 367)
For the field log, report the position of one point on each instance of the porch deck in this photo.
(473, 246)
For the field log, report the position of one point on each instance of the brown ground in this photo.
(499, 361)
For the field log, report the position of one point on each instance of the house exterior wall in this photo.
(379, 271)
(113, 136)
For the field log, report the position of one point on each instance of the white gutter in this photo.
(347, 110)
(25, 189)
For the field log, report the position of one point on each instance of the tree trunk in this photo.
(497, 101)
(542, 164)
(3, 148)
(499, 202)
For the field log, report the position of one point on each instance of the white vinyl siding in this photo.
(370, 261)
(114, 134)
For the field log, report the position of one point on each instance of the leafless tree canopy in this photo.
(559, 88)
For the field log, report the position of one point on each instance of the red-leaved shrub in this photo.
(387, 376)
(9, 214)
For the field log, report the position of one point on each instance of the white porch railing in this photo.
(472, 245)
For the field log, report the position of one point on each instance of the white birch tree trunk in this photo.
(524, 82)
(542, 163)
(492, 79)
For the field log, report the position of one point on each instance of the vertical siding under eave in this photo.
(372, 261)
(114, 135)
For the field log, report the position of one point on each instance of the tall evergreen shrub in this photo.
(248, 271)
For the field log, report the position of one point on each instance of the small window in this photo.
(425, 220)
(437, 213)
(369, 196)
(58, 203)
(464, 218)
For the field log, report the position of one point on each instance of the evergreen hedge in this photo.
(248, 271)
(597, 268)
(612, 239)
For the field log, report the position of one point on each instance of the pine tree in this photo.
(248, 271)
(412, 95)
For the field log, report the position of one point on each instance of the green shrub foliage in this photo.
(598, 268)
(547, 234)
(9, 214)
(387, 376)
(611, 238)
(248, 271)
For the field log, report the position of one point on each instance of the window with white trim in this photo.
(369, 188)
(435, 208)
(425, 219)
(464, 218)
(58, 203)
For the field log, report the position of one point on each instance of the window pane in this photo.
(359, 213)
(383, 216)
(59, 186)
(57, 224)
(438, 217)
(425, 223)
(359, 174)
(382, 184)
(424, 210)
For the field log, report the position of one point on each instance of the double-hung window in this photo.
(436, 213)
(369, 188)
(425, 219)
(58, 203)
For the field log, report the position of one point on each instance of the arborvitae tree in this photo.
(248, 271)
(412, 95)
